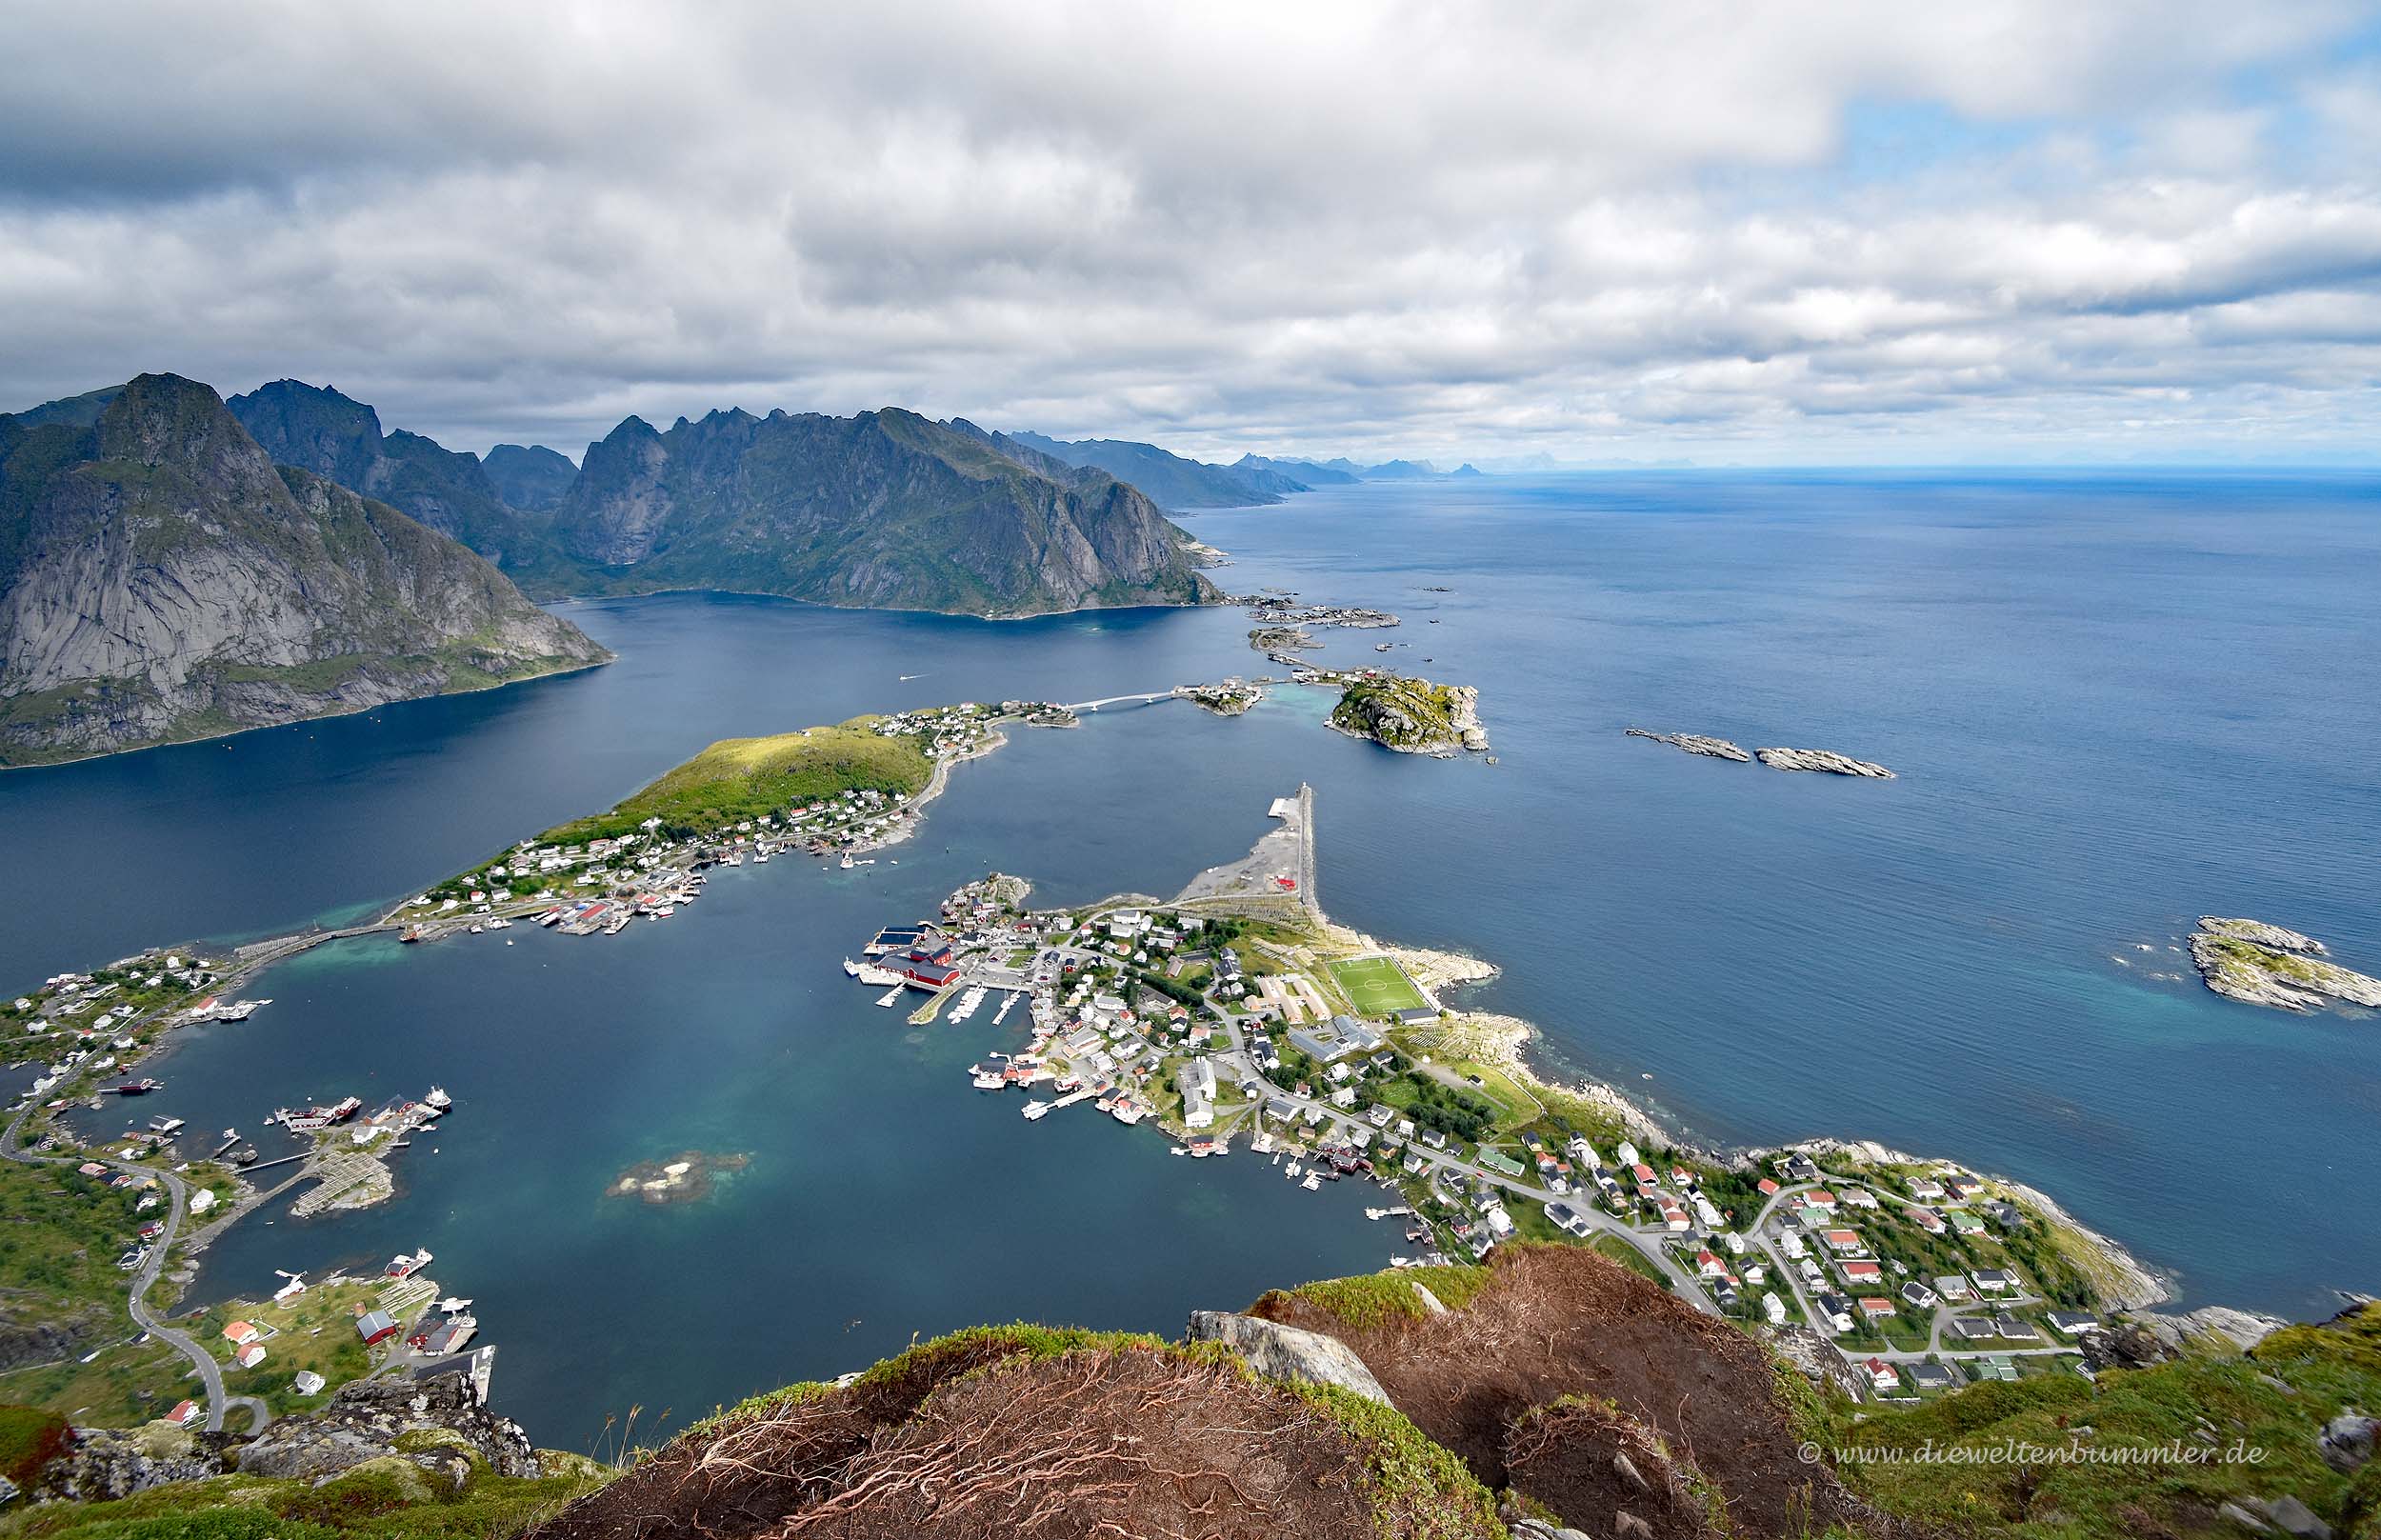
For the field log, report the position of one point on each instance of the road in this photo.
(1349, 1129)
(1758, 1231)
(209, 1372)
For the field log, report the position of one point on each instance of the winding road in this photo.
(209, 1372)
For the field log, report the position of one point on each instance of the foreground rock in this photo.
(1694, 743)
(106, 1464)
(436, 1424)
(2264, 965)
(1284, 1352)
(1824, 760)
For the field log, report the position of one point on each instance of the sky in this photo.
(1847, 232)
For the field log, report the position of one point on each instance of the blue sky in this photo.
(1850, 232)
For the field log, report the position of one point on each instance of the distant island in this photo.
(1824, 760)
(161, 579)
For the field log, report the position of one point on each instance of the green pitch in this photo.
(1377, 987)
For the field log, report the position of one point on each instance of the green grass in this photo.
(2276, 1400)
(379, 1499)
(1420, 1489)
(1614, 1248)
(739, 778)
(1376, 986)
(1377, 1298)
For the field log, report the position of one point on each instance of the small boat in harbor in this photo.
(1036, 1110)
(891, 997)
(139, 1087)
(847, 863)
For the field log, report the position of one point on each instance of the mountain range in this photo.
(886, 510)
(156, 583)
(1181, 484)
(162, 579)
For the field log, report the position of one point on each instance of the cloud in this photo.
(1833, 231)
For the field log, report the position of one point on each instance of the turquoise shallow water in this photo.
(2115, 703)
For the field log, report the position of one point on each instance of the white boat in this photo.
(438, 1098)
(760, 858)
(845, 863)
(889, 997)
(1313, 1183)
(990, 1080)
(1035, 1111)
(851, 968)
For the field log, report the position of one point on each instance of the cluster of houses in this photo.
(121, 994)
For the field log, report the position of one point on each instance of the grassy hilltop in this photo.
(741, 779)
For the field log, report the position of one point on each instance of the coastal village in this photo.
(1235, 1017)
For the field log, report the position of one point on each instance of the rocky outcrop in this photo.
(2348, 1441)
(106, 1464)
(1694, 743)
(161, 579)
(1824, 760)
(2138, 1341)
(1284, 1352)
(439, 1424)
(2264, 965)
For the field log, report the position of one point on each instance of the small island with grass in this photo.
(2264, 965)
(1409, 715)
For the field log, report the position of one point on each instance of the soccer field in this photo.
(1377, 987)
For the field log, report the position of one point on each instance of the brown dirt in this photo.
(986, 1440)
(1560, 1321)
(1568, 1457)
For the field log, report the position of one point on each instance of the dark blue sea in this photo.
(2116, 702)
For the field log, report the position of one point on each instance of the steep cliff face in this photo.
(318, 429)
(886, 510)
(161, 579)
(530, 477)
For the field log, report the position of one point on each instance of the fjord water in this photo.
(2115, 703)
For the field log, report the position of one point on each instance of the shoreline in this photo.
(2138, 1286)
(609, 658)
(1502, 1042)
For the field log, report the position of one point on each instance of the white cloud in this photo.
(1437, 229)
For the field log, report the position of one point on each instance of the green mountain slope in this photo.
(162, 579)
